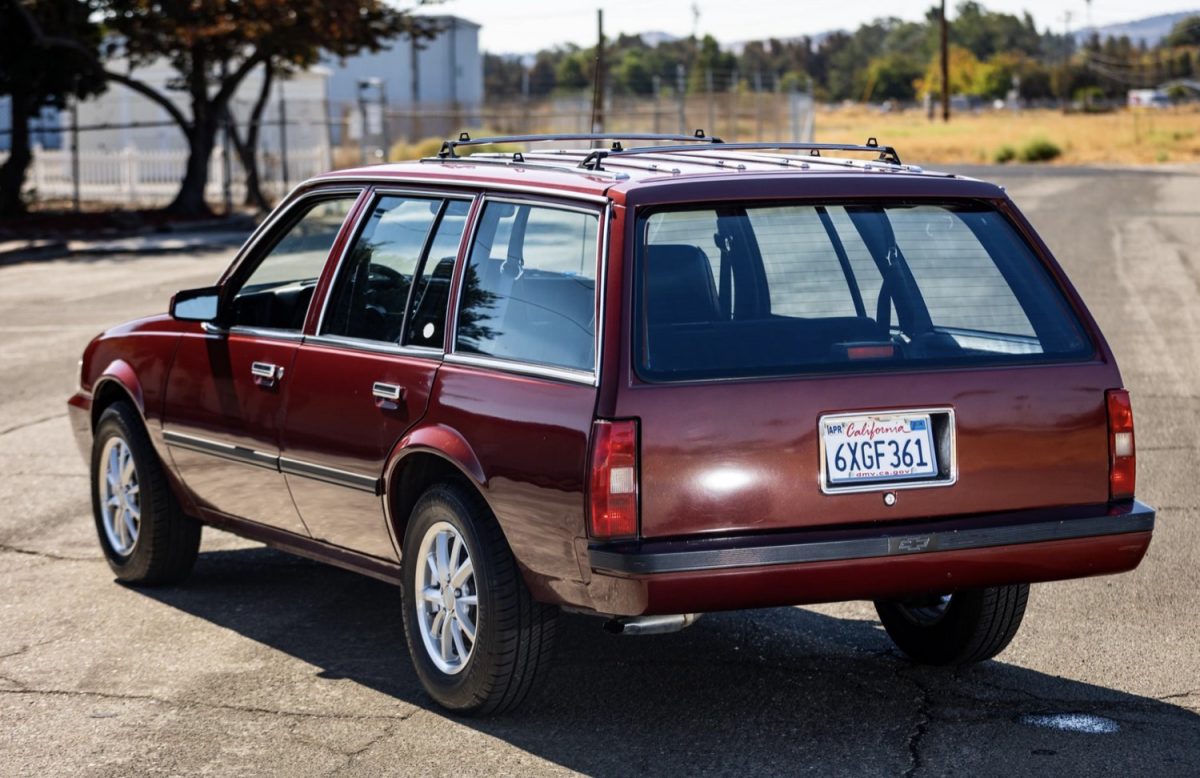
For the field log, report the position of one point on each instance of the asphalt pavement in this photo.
(265, 664)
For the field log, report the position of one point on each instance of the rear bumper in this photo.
(684, 576)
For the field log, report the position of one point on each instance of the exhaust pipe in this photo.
(650, 625)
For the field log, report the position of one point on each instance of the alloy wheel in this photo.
(447, 598)
(120, 496)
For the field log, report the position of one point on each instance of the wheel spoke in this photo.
(458, 642)
(462, 574)
(431, 563)
(446, 631)
(464, 622)
(438, 618)
(431, 594)
(130, 529)
(126, 465)
(118, 526)
(468, 599)
(443, 560)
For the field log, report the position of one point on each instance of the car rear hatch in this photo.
(827, 364)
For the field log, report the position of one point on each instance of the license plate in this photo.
(883, 447)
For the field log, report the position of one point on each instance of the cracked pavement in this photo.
(265, 664)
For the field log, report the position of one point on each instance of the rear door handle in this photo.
(265, 374)
(386, 395)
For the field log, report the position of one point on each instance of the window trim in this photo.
(373, 195)
(522, 366)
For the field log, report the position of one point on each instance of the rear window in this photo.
(733, 291)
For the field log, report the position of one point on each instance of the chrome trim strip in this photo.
(373, 346)
(291, 336)
(890, 486)
(499, 186)
(585, 377)
(893, 543)
(216, 448)
(279, 464)
(330, 475)
(602, 288)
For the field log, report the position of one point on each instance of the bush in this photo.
(1004, 154)
(1039, 150)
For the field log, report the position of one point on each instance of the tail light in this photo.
(614, 483)
(1122, 457)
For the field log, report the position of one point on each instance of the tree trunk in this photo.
(12, 172)
(189, 202)
(248, 151)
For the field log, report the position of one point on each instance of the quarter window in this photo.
(277, 292)
(529, 289)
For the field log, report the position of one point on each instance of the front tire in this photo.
(144, 535)
(959, 629)
(478, 639)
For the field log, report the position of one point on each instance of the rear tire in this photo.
(144, 535)
(959, 629)
(513, 633)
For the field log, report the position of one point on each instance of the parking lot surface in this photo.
(264, 664)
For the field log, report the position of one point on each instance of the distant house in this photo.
(1147, 98)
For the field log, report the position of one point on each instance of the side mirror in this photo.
(196, 304)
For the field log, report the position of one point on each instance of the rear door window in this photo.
(530, 284)
(732, 291)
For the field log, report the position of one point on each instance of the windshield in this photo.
(731, 290)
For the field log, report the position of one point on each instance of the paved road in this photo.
(265, 664)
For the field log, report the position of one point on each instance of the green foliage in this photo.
(1004, 154)
(1039, 150)
(1186, 32)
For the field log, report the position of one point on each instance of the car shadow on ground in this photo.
(780, 690)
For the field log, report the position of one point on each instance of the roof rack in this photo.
(888, 154)
(464, 139)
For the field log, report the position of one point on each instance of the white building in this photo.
(435, 89)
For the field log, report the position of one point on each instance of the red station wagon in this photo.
(638, 381)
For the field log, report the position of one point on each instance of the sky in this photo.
(522, 26)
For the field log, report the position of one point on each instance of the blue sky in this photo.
(529, 25)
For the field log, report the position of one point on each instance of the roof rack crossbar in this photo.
(464, 139)
(886, 153)
(520, 160)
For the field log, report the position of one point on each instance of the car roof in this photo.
(617, 173)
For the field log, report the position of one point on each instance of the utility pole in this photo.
(598, 76)
(945, 65)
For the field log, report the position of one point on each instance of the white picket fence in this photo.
(150, 178)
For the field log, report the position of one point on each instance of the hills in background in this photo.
(1151, 30)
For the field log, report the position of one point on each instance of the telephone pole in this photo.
(598, 76)
(945, 65)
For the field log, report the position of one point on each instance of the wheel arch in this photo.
(422, 458)
(117, 382)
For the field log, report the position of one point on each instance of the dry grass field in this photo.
(1122, 137)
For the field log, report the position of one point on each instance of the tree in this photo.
(34, 75)
(1186, 32)
(215, 44)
